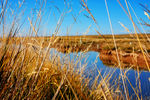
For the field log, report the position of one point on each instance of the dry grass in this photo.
(22, 79)
(125, 43)
(29, 71)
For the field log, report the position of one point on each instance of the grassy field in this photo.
(126, 43)
(29, 71)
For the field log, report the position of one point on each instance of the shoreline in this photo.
(129, 52)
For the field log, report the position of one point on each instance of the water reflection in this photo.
(95, 64)
(109, 57)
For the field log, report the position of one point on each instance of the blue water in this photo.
(93, 64)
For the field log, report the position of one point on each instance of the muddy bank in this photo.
(108, 57)
(134, 60)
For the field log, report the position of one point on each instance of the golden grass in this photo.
(27, 70)
(22, 79)
(124, 42)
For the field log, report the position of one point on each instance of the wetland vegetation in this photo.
(84, 67)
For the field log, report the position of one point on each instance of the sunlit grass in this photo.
(29, 71)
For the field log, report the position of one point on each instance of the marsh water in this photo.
(93, 64)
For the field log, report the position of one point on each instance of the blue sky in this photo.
(55, 8)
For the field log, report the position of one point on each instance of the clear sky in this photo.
(53, 9)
